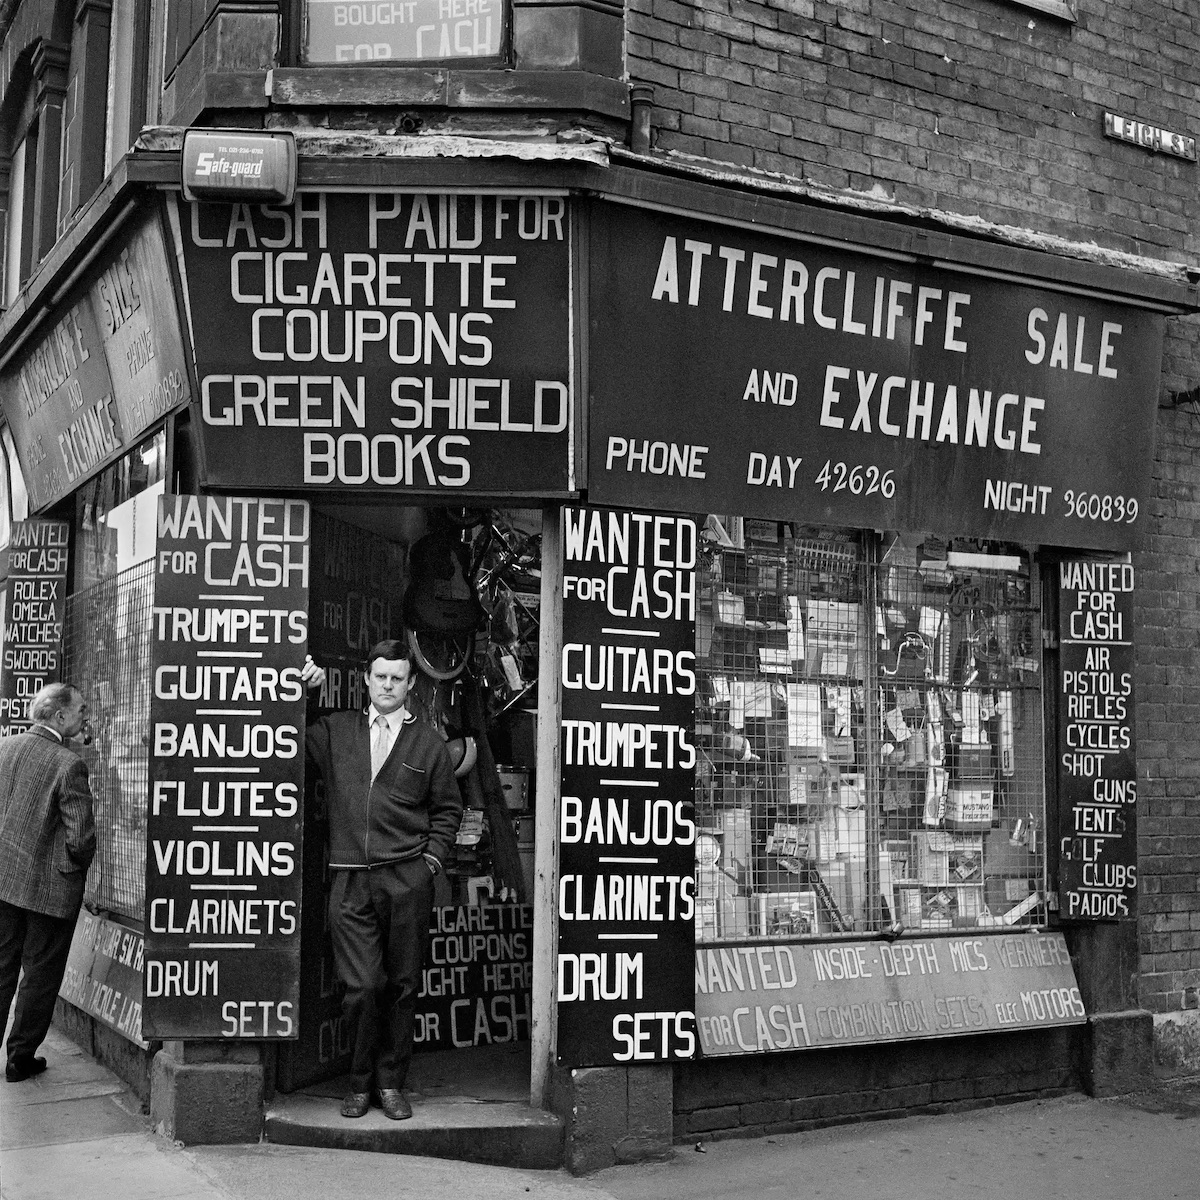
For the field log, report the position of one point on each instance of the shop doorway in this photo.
(464, 586)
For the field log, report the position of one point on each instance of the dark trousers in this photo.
(40, 945)
(379, 925)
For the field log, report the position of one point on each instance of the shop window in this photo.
(16, 233)
(68, 154)
(869, 735)
(18, 494)
(5, 505)
(404, 31)
(106, 654)
(1054, 8)
(122, 94)
(116, 514)
(85, 97)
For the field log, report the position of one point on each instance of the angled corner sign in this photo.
(383, 342)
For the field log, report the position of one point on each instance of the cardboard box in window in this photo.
(908, 906)
(931, 858)
(969, 807)
(787, 914)
(841, 833)
(824, 660)
(733, 915)
(940, 859)
(729, 609)
(840, 749)
(721, 911)
(806, 783)
(788, 839)
(832, 637)
(969, 901)
(970, 763)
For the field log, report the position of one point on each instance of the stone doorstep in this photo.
(505, 1134)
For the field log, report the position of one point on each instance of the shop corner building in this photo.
(803, 404)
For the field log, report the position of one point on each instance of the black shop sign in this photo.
(1097, 761)
(772, 377)
(35, 563)
(383, 342)
(626, 887)
(224, 839)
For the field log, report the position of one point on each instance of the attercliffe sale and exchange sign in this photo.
(752, 373)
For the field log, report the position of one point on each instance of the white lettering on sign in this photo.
(626, 897)
(881, 307)
(1097, 826)
(907, 408)
(654, 1036)
(225, 918)
(223, 822)
(180, 977)
(1150, 137)
(257, 1019)
(434, 287)
(616, 822)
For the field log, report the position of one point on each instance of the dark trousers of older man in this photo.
(379, 925)
(40, 945)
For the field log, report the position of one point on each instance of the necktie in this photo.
(379, 745)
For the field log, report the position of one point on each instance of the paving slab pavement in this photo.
(77, 1133)
(1068, 1148)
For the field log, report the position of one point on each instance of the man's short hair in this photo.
(51, 699)
(392, 649)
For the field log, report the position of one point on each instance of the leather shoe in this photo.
(23, 1068)
(356, 1104)
(394, 1105)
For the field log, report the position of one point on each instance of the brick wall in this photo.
(1168, 692)
(990, 110)
(758, 1094)
(978, 107)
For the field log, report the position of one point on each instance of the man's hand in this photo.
(311, 675)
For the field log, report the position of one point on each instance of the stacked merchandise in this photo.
(870, 735)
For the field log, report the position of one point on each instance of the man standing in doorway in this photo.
(47, 840)
(394, 810)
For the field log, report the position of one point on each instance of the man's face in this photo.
(388, 683)
(73, 716)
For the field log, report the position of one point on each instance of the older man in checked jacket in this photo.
(47, 840)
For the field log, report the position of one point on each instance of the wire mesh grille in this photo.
(106, 654)
(870, 726)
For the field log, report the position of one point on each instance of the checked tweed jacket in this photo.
(47, 832)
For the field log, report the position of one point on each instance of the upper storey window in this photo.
(404, 31)
(1055, 8)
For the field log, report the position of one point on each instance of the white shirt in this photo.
(395, 720)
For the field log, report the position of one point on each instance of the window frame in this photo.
(1065, 9)
(299, 47)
